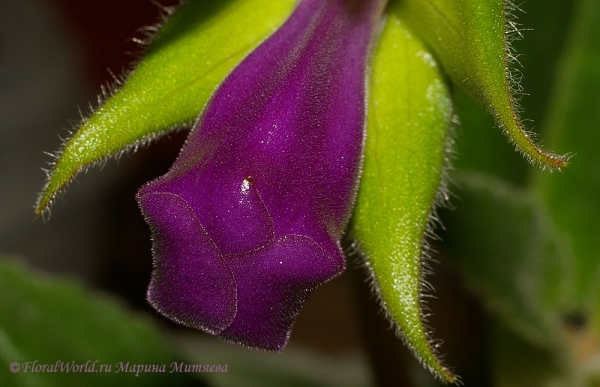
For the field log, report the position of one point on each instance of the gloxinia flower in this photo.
(249, 219)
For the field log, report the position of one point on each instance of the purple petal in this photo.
(235, 217)
(204, 295)
(270, 173)
(272, 284)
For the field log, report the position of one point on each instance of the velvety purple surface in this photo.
(248, 221)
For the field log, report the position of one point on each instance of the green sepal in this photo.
(193, 52)
(408, 119)
(471, 38)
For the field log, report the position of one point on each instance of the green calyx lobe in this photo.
(408, 119)
(194, 51)
(472, 41)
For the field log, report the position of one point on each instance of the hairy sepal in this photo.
(407, 140)
(193, 52)
(472, 40)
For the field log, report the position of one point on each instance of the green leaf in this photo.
(572, 123)
(195, 50)
(48, 321)
(471, 38)
(408, 120)
(513, 256)
(515, 362)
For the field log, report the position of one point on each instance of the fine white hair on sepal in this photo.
(101, 162)
(106, 92)
(426, 290)
(514, 31)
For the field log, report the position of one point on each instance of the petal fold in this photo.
(205, 295)
(273, 283)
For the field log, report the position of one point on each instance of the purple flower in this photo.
(248, 220)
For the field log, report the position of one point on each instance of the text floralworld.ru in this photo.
(93, 366)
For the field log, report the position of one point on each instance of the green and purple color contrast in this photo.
(248, 221)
